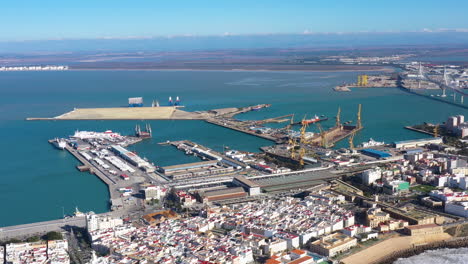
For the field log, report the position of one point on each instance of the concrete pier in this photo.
(221, 123)
(92, 169)
(143, 113)
(40, 228)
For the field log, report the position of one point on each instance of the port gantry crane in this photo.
(436, 131)
(323, 136)
(351, 140)
(338, 119)
(303, 141)
(292, 145)
(291, 123)
(359, 123)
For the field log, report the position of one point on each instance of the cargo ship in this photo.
(258, 107)
(315, 119)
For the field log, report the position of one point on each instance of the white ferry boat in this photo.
(95, 135)
(59, 143)
(372, 143)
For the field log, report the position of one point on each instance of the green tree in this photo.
(33, 239)
(53, 235)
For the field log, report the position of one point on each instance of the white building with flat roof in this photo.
(457, 208)
(96, 222)
(370, 176)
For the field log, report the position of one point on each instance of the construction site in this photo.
(369, 81)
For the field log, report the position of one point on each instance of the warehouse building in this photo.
(132, 158)
(224, 194)
(375, 153)
(169, 170)
(252, 187)
(417, 142)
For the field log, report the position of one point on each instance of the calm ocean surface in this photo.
(36, 180)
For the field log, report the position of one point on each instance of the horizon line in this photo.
(229, 34)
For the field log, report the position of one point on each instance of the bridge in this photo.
(445, 84)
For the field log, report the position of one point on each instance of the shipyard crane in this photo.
(359, 123)
(301, 156)
(291, 123)
(292, 145)
(436, 131)
(303, 131)
(303, 141)
(350, 140)
(338, 118)
(323, 142)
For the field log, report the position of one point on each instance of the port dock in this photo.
(145, 113)
(419, 130)
(110, 167)
(240, 128)
(93, 170)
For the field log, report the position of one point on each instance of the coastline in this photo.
(416, 250)
(383, 69)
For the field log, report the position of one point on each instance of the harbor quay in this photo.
(144, 113)
(234, 204)
(297, 200)
(40, 228)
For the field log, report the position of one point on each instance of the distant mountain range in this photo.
(197, 43)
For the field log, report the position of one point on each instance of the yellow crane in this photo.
(338, 118)
(359, 123)
(323, 142)
(436, 131)
(351, 141)
(362, 80)
(301, 156)
(291, 122)
(292, 146)
(303, 131)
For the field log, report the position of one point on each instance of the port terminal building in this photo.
(223, 194)
(375, 153)
(408, 144)
(252, 187)
(195, 169)
(132, 158)
(168, 170)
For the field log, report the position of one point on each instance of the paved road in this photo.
(39, 227)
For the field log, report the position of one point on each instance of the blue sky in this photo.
(56, 19)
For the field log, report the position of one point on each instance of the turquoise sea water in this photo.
(36, 180)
